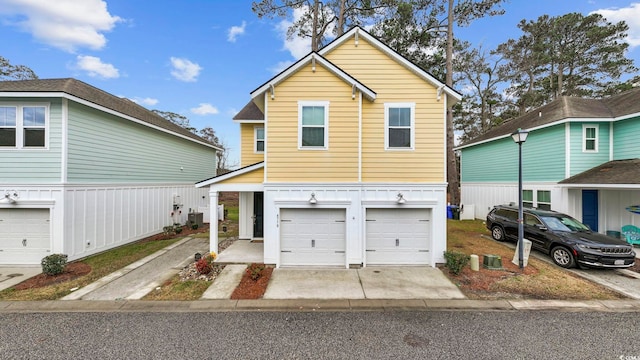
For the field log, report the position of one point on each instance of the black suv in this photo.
(568, 241)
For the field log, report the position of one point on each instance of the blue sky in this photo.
(201, 58)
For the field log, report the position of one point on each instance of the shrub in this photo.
(456, 261)
(203, 266)
(255, 271)
(54, 264)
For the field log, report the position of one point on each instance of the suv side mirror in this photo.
(541, 227)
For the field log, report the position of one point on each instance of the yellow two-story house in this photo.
(343, 160)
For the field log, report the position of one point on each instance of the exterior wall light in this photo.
(313, 200)
(401, 199)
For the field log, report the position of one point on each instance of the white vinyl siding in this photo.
(399, 121)
(313, 125)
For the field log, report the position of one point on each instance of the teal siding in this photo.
(543, 158)
(625, 139)
(104, 148)
(35, 166)
(583, 161)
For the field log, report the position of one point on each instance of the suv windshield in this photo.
(564, 223)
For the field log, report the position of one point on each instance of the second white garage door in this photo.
(24, 236)
(398, 236)
(313, 237)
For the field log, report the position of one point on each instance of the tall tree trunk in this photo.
(341, 19)
(452, 168)
(314, 30)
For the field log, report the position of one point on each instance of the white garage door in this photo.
(312, 237)
(24, 236)
(398, 236)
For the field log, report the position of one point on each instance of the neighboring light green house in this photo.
(581, 158)
(83, 171)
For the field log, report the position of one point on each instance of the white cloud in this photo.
(65, 24)
(297, 46)
(145, 101)
(184, 69)
(631, 15)
(235, 31)
(96, 68)
(279, 67)
(205, 109)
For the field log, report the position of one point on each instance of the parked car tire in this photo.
(563, 257)
(497, 233)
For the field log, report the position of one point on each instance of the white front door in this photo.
(398, 236)
(312, 237)
(24, 236)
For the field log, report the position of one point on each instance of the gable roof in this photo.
(565, 108)
(357, 32)
(92, 96)
(313, 57)
(230, 174)
(249, 113)
(612, 172)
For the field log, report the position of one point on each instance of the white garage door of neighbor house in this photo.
(398, 236)
(312, 237)
(24, 236)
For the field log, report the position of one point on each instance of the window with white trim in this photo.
(544, 199)
(313, 130)
(399, 126)
(23, 127)
(527, 198)
(259, 139)
(590, 138)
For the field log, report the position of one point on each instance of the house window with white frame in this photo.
(527, 198)
(259, 139)
(23, 127)
(590, 138)
(313, 124)
(399, 125)
(544, 199)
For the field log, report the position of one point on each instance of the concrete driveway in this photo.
(12, 275)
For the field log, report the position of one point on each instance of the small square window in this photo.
(259, 136)
(544, 199)
(527, 198)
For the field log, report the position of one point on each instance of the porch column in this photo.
(213, 221)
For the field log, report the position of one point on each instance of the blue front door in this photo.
(590, 208)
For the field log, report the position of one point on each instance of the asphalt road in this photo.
(322, 335)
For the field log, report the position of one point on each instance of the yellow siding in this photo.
(286, 163)
(253, 177)
(247, 154)
(394, 83)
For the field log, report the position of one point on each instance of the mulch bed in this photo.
(249, 289)
(72, 271)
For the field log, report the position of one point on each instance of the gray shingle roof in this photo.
(96, 96)
(249, 112)
(612, 172)
(568, 107)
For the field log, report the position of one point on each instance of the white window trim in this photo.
(20, 126)
(325, 104)
(584, 137)
(255, 139)
(412, 128)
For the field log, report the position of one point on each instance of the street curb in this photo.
(306, 305)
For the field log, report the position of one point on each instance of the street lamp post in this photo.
(519, 137)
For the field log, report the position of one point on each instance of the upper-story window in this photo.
(313, 124)
(259, 139)
(23, 126)
(590, 138)
(399, 126)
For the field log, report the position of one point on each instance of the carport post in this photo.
(213, 221)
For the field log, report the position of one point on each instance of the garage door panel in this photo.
(398, 236)
(24, 235)
(312, 237)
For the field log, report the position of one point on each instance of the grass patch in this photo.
(101, 265)
(174, 289)
(540, 280)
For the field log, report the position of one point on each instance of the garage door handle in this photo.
(397, 242)
(24, 242)
(287, 251)
(313, 243)
(340, 251)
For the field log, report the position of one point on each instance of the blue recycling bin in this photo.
(449, 212)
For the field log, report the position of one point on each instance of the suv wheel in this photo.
(497, 233)
(562, 257)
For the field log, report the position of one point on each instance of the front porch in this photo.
(242, 252)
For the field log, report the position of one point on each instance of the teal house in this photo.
(83, 171)
(581, 158)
